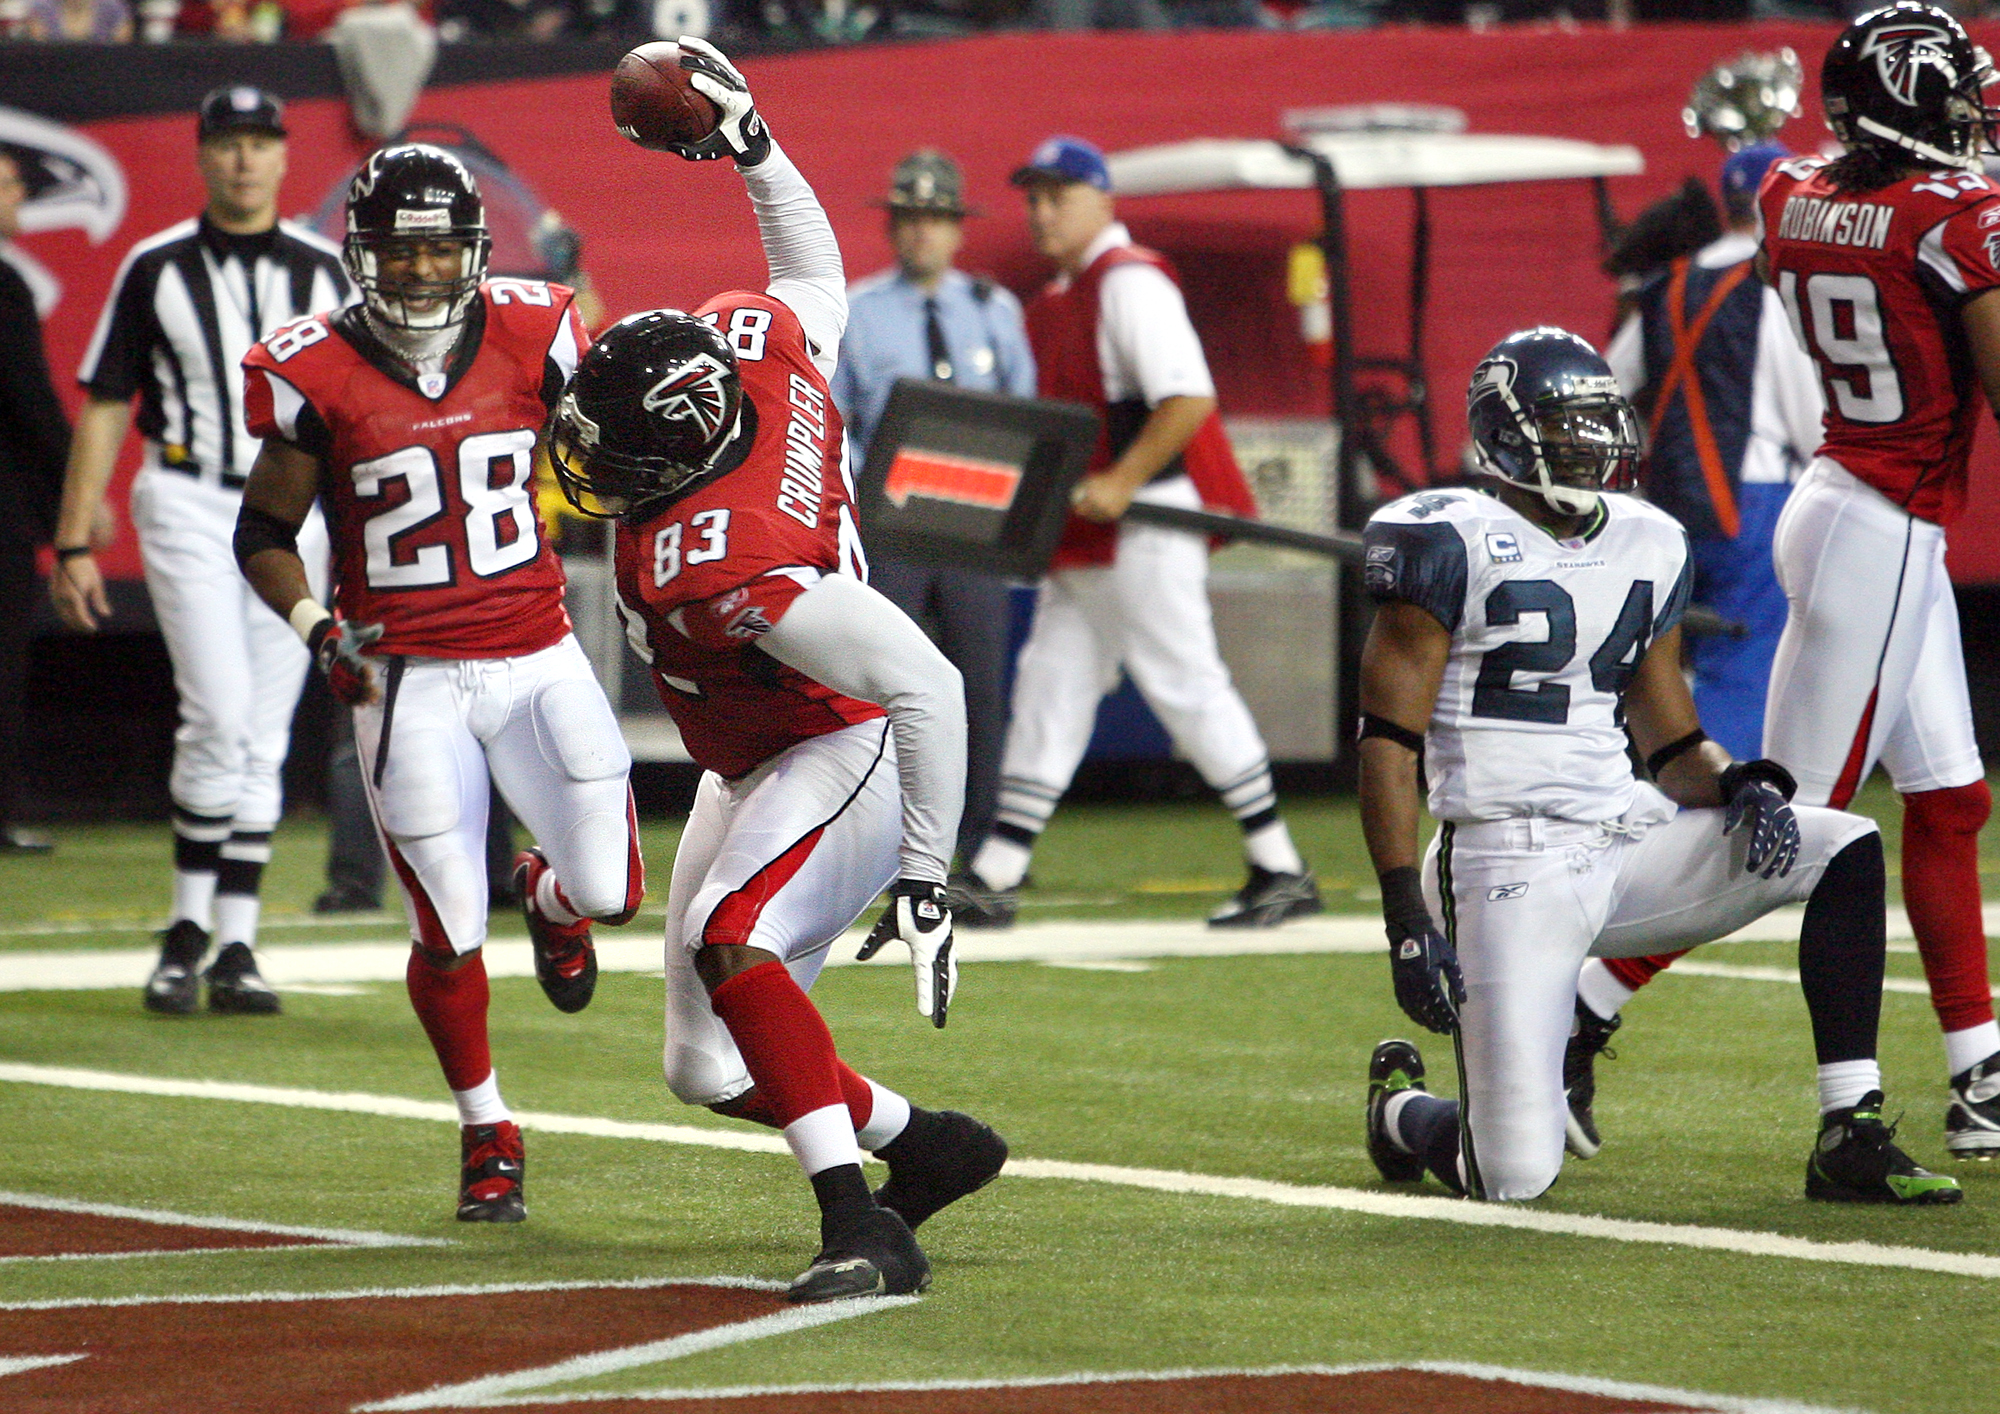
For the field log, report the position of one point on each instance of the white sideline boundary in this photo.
(1367, 1202)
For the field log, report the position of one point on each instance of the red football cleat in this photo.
(492, 1166)
(565, 960)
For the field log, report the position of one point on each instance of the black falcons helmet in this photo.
(415, 192)
(648, 415)
(1546, 414)
(1908, 77)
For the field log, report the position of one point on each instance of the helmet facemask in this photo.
(1565, 448)
(417, 306)
(606, 482)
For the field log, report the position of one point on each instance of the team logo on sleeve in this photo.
(694, 391)
(1902, 52)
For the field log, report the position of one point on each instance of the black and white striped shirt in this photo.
(186, 307)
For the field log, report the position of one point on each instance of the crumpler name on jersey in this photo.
(428, 482)
(702, 580)
(1546, 635)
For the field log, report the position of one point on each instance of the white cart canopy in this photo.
(1366, 162)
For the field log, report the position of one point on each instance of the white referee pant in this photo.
(1870, 667)
(1525, 900)
(784, 859)
(539, 728)
(1148, 613)
(238, 667)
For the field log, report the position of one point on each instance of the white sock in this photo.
(889, 1118)
(1965, 1049)
(1597, 989)
(823, 1139)
(1001, 863)
(1271, 848)
(236, 919)
(549, 901)
(1843, 1083)
(1392, 1111)
(194, 896)
(482, 1103)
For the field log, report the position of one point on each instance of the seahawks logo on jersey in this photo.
(695, 391)
(1901, 53)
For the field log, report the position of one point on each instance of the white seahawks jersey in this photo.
(1545, 636)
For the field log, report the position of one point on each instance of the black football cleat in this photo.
(493, 1166)
(956, 1155)
(1267, 899)
(236, 987)
(1394, 1067)
(877, 1257)
(1855, 1162)
(973, 905)
(1972, 1120)
(174, 989)
(1589, 1038)
(565, 957)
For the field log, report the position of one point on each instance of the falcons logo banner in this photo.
(71, 181)
(1900, 55)
(694, 391)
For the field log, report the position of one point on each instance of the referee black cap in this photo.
(240, 108)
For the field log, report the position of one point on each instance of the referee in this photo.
(187, 305)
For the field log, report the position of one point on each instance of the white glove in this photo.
(917, 917)
(741, 132)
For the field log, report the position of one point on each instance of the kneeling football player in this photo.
(1515, 624)
(832, 730)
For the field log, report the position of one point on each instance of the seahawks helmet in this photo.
(409, 193)
(1908, 77)
(652, 408)
(1546, 415)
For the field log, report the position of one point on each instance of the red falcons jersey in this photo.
(427, 488)
(705, 578)
(1873, 282)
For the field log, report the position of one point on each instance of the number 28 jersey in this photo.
(428, 481)
(701, 581)
(1873, 283)
(1546, 635)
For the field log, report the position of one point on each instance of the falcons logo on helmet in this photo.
(1901, 53)
(694, 391)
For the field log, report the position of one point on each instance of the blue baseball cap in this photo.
(1064, 159)
(1743, 172)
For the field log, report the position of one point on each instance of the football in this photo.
(653, 103)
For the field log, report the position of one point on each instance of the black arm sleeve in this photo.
(32, 424)
(260, 530)
(1417, 564)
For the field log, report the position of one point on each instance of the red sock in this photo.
(752, 1106)
(1636, 972)
(785, 1044)
(452, 1007)
(1941, 893)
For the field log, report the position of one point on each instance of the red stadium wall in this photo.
(658, 231)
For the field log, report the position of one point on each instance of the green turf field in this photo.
(1228, 1067)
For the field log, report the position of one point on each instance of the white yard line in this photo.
(380, 1293)
(1373, 1203)
(346, 1237)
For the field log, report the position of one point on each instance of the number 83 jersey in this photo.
(1873, 282)
(428, 481)
(1545, 636)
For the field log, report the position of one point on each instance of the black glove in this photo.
(918, 916)
(740, 131)
(1422, 961)
(336, 651)
(1759, 793)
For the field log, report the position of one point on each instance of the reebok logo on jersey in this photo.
(1861, 224)
(1502, 548)
(1501, 893)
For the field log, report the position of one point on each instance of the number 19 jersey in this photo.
(1546, 635)
(1873, 283)
(428, 480)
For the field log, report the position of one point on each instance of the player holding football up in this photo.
(1514, 629)
(414, 416)
(713, 440)
(1888, 260)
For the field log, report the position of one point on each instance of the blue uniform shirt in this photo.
(885, 340)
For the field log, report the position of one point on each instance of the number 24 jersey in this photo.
(1873, 283)
(428, 481)
(1546, 634)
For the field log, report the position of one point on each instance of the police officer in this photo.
(926, 319)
